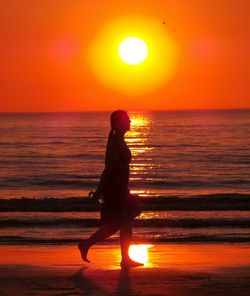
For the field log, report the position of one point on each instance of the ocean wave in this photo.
(226, 201)
(60, 156)
(161, 182)
(154, 223)
(66, 182)
(12, 239)
(140, 180)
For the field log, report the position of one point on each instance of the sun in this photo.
(133, 50)
(133, 55)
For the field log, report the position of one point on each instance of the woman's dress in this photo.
(114, 181)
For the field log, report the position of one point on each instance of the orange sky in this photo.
(44, 68)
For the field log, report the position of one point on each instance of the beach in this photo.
(124, 121)
(172, 269)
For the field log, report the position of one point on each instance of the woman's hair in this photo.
(115, 120)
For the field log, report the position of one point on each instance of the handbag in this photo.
(132, 206)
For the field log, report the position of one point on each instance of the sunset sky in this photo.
(56, 55)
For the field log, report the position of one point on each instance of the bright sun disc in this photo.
(133, 55)
(133, 50)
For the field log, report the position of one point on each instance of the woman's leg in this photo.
(101, 234)
(125, 241)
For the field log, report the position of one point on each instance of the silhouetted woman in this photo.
(113, 190)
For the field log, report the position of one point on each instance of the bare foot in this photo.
(130, 263)
(83, 248)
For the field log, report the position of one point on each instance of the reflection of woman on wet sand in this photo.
(113, 189)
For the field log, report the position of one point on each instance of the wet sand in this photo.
(173, 269)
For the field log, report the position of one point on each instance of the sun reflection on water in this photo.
(139, 127)
(137, 137)
(139, 120)
(140, 146)
(139, 253)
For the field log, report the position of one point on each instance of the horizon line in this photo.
(135, 110)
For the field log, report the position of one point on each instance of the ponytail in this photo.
(107, 148)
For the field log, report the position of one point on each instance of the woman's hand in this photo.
(95, 195)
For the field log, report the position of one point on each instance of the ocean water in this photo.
(181, 153)
(178, 155)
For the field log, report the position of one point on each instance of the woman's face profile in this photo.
(125, 123)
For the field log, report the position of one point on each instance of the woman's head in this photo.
(120, 121)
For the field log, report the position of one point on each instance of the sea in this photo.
(190, 170)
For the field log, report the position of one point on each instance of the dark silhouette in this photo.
(113, 192)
